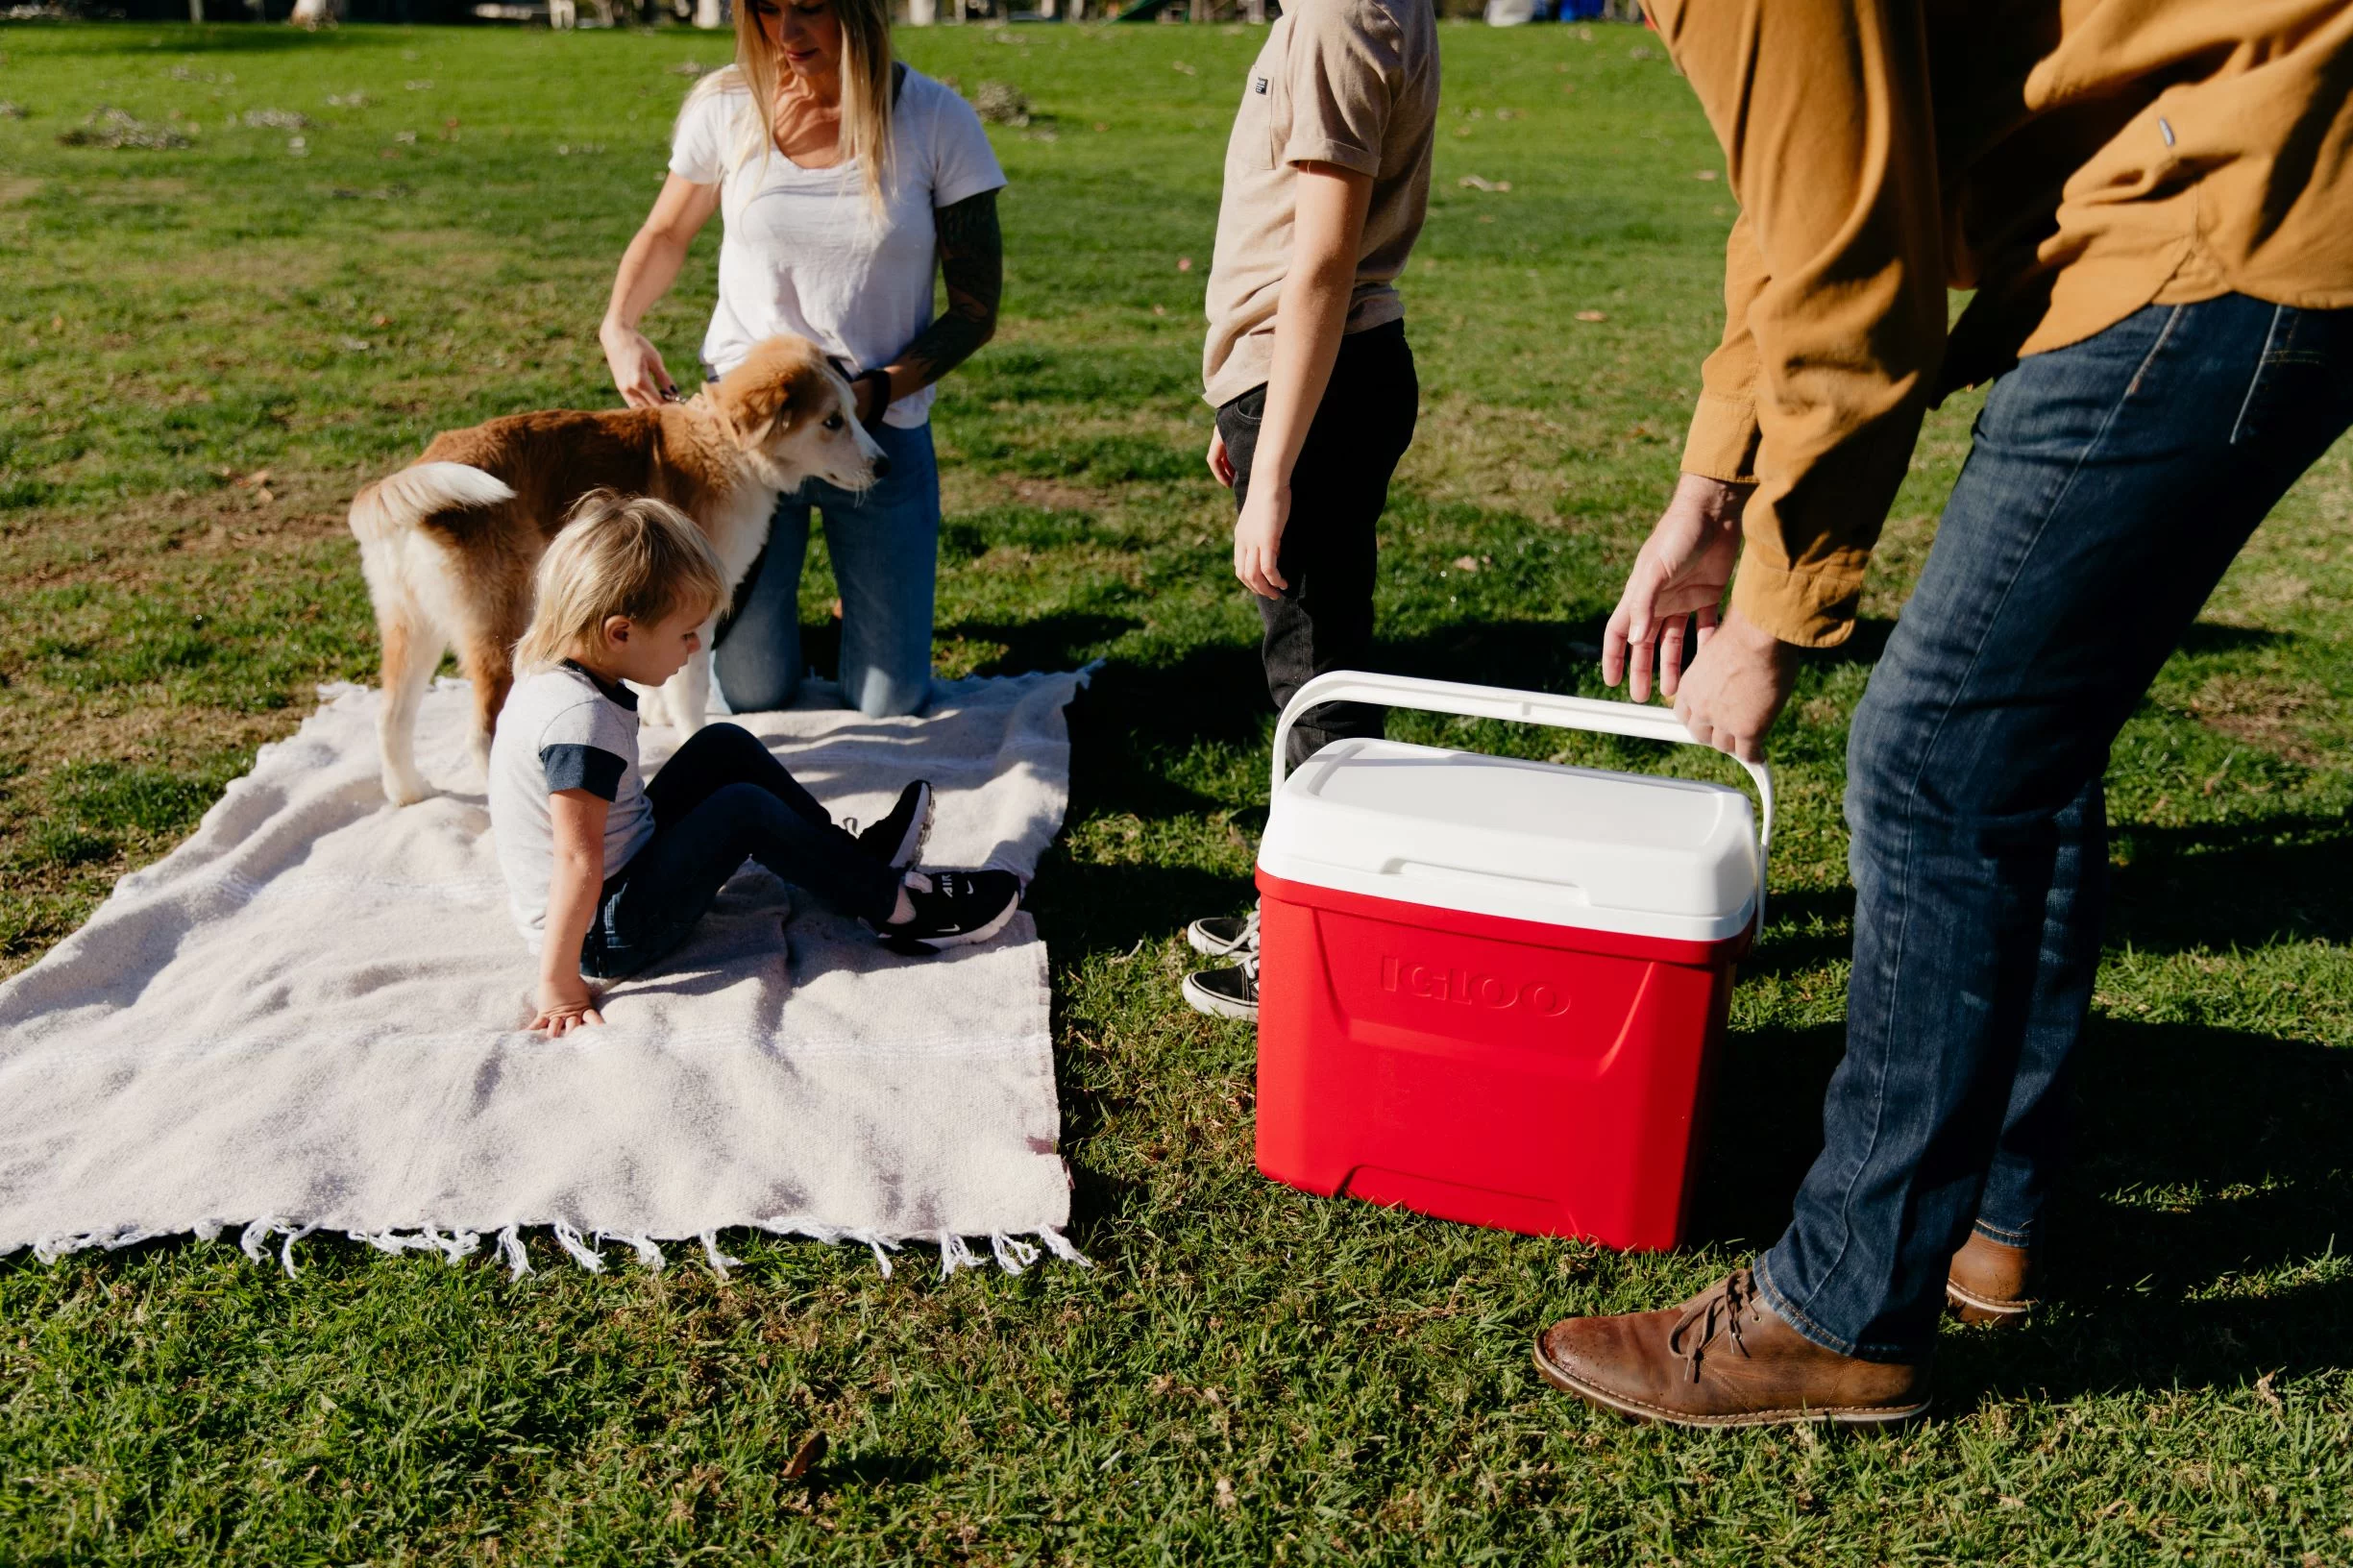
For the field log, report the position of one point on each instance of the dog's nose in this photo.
(882, 465)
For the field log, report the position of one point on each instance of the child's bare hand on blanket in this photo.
(564, 1004)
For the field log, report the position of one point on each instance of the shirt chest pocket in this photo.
(1267, 100)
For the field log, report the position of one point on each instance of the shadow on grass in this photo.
(2204, 1156)
(2235, 884)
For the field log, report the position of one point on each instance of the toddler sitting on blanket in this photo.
(608, 872)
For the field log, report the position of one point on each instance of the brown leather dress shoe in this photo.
(1721, 1359)
(1991, 1282)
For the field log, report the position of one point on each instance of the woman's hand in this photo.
(1258, 538)
(566, 1002)
(1221, 466)
(647, 267)
(638, 372)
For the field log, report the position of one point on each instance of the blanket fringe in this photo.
(510, 1248)
(573, 1243)
(1014, 1252)
(718, 1261)
(954, 1254)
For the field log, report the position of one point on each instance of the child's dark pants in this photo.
(1324, 620)
(721, 799)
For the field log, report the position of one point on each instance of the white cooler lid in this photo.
(1529, 841)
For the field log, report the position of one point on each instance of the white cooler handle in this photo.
(1628, 719)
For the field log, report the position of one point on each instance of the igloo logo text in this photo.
(1469, 988)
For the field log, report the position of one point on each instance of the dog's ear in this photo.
(781, 382)
(749, 396)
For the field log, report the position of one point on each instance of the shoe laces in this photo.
(1249, 939)
(1717, 1310)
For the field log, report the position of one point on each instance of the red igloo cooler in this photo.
(1490, 990)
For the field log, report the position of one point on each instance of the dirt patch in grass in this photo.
(126, 542)
(16, 191)
(1054, 496)
(1501, 459)
(2268, 713)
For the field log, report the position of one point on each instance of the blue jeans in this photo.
(2108, 486)
(885, 544)
(720, 800)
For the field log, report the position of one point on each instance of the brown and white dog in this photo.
(450, 544)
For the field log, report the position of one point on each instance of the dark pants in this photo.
(720, 800)
(2108, 486)
(1324, 620)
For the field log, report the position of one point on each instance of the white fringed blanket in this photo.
(308, 1018)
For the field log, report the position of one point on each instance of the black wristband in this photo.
(861, 379)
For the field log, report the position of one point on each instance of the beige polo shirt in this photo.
(1353, 83)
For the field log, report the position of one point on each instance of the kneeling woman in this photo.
(840, 178)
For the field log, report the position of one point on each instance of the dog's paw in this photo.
(405, 788)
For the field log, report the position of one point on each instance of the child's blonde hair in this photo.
(631, 556)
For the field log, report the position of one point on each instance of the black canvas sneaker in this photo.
(1226, 994)
(897, 840)
(954, 908)
(1216, 936)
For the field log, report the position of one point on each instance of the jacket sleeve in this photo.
(1833, 286)
(1723, 433)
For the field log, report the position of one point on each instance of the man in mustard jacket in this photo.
(2153, 202)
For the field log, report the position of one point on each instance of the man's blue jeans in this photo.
(2108, 486)
(885, 544)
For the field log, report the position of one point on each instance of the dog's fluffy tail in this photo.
(401, 501)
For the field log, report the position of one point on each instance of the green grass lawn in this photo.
(206, 348)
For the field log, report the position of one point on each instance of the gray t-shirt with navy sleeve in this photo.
(562, 729)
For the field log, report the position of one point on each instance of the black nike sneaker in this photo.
(954, 908)
(897, 840)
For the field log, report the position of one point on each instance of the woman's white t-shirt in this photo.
(802, 252)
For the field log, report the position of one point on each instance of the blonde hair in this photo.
(867, 89)
(631, 556)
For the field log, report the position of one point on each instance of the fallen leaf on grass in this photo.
(2267, 1394)
(1184, 263)
(1466, 563)
(805, 1458)
(1225, 1492)
(1702, 174)
(1591, 315)
(1473, 182)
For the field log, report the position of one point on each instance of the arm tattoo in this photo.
(973, 264)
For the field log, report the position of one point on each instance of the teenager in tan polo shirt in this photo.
(2154, 204)
(1327, 181)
